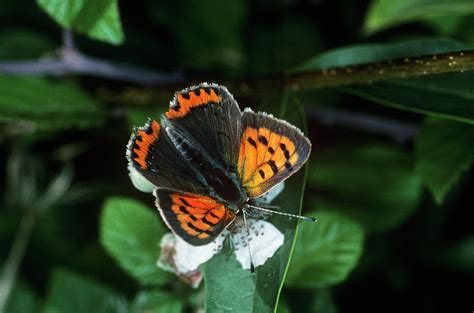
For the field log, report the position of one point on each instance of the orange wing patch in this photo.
(264, 154)
(185, 101)
(199, 216)
(142, 141)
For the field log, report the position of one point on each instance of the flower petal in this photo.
(189, 257)
(140, 182)
(264, 239)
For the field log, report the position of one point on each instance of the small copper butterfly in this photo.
(208, 160)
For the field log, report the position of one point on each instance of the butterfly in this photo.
(208, 160)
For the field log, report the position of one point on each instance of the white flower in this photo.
(264, 240)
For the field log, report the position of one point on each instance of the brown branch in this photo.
(332, 77)
(71, 61)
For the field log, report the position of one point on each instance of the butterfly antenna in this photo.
(252, 267)
(306, 218)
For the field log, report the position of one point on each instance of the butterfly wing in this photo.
(198, 220)
(151, 154)
(209, 115)
(270, 151)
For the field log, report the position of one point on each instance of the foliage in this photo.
(389, 179)
(98, 19)
(129, 226)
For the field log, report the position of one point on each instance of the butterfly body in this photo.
(207, 159)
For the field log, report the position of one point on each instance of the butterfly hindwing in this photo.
(151, 153)
(209, 115)
(196, 219)
(270, 151)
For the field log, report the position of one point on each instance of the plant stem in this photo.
(460, 61)
(15, 257)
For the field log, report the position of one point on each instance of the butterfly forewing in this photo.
(209, 115)
(152, 154)
(270, 151)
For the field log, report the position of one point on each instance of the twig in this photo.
(332, 77)
(71, 61)
(15, 257)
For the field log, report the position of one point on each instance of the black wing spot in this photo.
(207, 90)
(285, 151)
(197, 92)
(186, 96)
(252, 142)
(288, 166)
(135, 146)
(139, 138)
(149, 131)
(263, 140)
(271, 150)
(185, 211)
(262, 173)
(186, 203)
(273, 166)
(190, 225)
(205, 220)
(213, 215)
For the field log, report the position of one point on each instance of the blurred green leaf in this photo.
(325, 253)
(131, 233)
(444, 151)
(228, 285)
(70, 292)
(22, 299)
(460, 256)
(368, 53)
(283, 306)
(46, 104)
(383, 14)
(446, 95)
(323, 302)
(156, 302)
(19, 43)
(374, 184)
(207, 33)
(277, 48)
(137, 117)
(99, 19)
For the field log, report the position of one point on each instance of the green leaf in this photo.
(99, 19)
(325, 253)
(444, 151)
(446, 95)
(131, 233)
(71, 292)
(460, 256)
(156, 302)
(388, 13)
(374, 184)
(284, 39)
(323, 302)
(22, 299)
(231, 288)
(137, 117)
(46, 104)
(368, 53)
(207, 33)
(19, 43)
